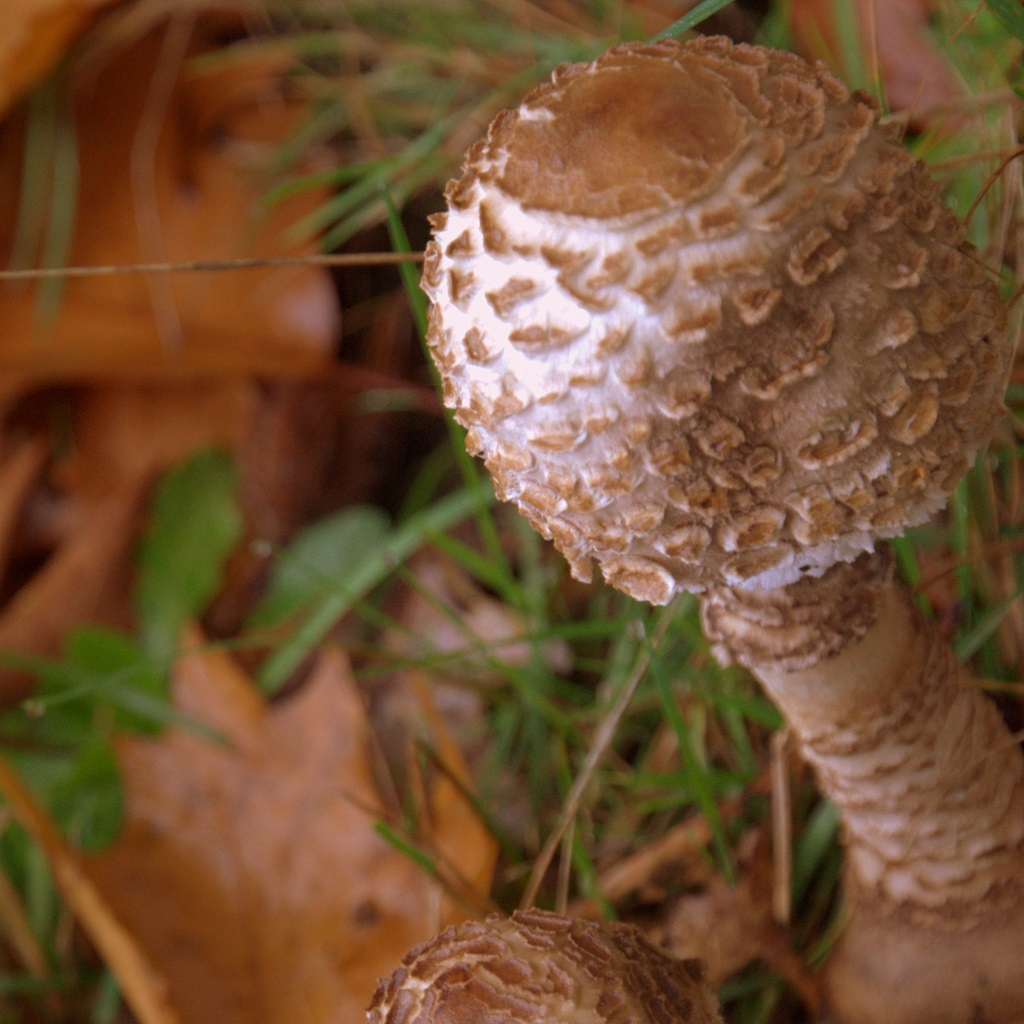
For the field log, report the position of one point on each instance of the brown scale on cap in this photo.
(542, 968)
(701, 280)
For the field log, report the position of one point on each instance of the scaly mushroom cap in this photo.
(542, 968)
(707, 321)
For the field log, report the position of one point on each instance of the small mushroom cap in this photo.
(707, 322)
(542, 968)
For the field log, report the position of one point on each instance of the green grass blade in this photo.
(402, 542)
(482, 567)
(1010, 13)
(910, 569)
(697, 775)
(691, 20)
(532, 687)
(409, 273)
(137, 692)
(35, 195)
(378, 174)
(332, 178)
(812, 843)
(398, 842)
(846, 22)
(63, 207)
(373, 211)
(969, 643)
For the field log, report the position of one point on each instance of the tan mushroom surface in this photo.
(928, 777)
(707, 321)
(711, 327)
(869, 688)
(543, 968)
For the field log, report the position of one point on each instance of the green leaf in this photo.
(320, 555)
(195, 524)
(697, 774)
(1010, 13)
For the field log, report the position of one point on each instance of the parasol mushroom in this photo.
(542, 968)
(711, 327)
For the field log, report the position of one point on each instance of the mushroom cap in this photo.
(539, 967)
(708, 322)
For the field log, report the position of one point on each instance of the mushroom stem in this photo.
(709, 325)
(927, 776)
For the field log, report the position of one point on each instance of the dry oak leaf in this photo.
(175, 158)
(731, 926)
(19, 473)
(85, 579)
(125, 436)
(249, 870)
(34, 37)
(78, 516)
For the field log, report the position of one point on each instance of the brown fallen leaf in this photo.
(65, 549)
(84, 580)
(249, 869)
(125, 435)
(36, 33)
(18, 474)
(731, 926)
(174, 158)
(915, 73)
(87, 506)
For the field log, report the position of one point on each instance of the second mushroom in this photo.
(711, 327)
